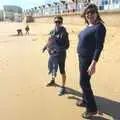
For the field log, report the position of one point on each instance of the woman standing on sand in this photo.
(57, 46)
(90, 45)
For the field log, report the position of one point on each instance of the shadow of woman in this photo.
(107, 106)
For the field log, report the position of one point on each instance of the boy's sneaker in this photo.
(62, 91)
(51, 83)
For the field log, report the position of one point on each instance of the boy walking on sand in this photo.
(53, 50)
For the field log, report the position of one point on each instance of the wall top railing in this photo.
(70, 8)
(79, 13)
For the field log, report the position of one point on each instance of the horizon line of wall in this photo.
(111, 18)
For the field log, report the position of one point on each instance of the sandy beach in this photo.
(24, 74)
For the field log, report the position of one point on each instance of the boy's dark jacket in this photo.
(61, 36)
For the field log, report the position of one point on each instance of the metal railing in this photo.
(63, 7)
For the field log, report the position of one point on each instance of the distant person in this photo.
(57, 45)
(90, 45)
(19, 31)
(27, 29)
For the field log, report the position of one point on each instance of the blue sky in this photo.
(25, 3)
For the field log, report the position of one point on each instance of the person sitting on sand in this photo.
(19, 31)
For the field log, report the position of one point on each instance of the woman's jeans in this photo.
(88, 96)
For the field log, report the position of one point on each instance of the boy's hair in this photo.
(58, 18)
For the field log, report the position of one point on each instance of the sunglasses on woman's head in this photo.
(58, 22)
(91, 12)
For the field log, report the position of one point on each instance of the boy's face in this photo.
(58, 23)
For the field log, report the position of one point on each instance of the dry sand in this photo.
(23, 75)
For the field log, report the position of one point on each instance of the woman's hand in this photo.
(92, 68)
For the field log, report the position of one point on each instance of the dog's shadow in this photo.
(106, 106)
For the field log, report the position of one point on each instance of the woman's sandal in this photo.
(88, 115)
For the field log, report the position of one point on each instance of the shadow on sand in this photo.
(16, 35)
(106, 106)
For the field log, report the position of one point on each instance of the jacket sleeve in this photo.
(100, 38)
(63, 40)
(66, 38)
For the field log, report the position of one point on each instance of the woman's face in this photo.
(91, 16)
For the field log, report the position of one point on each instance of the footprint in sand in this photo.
(28, 90)
(3, 63)
(17, 94)
(34, 39)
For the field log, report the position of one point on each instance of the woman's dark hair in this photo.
(94, 8)
(58, 18)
